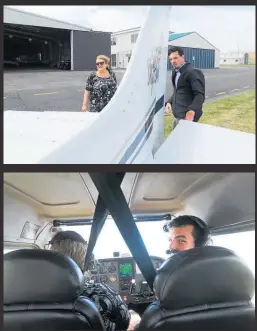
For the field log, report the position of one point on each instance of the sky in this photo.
(228, 28)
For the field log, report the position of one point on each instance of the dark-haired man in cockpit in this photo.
(186, 232)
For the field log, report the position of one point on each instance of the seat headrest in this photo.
(37, 276)
(202, 276)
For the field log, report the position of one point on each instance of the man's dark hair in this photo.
(174, 49)
(200, 233)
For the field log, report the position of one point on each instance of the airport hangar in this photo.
(38, 41)
(197, 50)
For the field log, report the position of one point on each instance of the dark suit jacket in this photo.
(190, 92)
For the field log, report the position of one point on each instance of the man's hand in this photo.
(132, 326)
(168, 109)
(134, 321)
(190, 115)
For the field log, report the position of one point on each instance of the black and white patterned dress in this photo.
(114, 311)
(101, 90)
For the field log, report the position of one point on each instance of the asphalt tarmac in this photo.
(52, 90)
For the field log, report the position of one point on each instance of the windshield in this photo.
(110, 239)
(156, 241)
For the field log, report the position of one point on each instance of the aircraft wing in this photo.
(30, 136)
(196, 143)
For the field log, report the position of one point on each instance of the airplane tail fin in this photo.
(132, 125)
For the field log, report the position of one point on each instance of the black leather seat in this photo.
(42, 293)
(202, 289)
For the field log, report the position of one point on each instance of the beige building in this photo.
(252, 58)
(233, 58)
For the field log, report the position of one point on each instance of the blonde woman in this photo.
(112, 308)
(100, 87)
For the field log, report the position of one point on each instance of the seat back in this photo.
(204, 289)
(42, 291)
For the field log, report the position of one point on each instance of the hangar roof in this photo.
(174, 36)
(17, 16)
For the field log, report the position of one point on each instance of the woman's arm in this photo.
(85, 101)
(89, 88)
(112, 308)
(114, 76)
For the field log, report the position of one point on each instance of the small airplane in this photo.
(130, 129)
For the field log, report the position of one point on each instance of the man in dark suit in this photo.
(188, 82)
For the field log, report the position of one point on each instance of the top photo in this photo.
(129, 85)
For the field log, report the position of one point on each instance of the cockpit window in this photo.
(157, 241)
(110, 239)
(243, 244)
(6, 250)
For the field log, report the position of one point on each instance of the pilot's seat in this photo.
(42, 292)
(203, 289)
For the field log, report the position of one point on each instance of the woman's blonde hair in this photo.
(75, 250)
(105, 58)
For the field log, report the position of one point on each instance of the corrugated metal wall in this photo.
(87, 45)
(198, 57)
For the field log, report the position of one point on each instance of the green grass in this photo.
(236, 113)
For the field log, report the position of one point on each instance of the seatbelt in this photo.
(100, 216)
(109, 189)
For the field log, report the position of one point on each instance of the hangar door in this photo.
(198, 57)
(86, 45)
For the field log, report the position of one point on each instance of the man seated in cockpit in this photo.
(186, 232)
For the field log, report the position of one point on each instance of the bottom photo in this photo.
(129, 251)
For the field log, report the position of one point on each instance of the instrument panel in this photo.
(118, 272)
